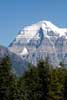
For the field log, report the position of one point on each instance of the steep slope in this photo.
(39, 41)
(3, 52)
(18, 65)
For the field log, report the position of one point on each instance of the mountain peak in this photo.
(35, 31)
(40, 40)
(45, 22)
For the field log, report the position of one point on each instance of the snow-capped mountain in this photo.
(40, 40)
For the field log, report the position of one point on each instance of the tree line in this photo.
(41, 82)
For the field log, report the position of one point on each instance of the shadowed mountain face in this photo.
(37, 42)
(18, 65)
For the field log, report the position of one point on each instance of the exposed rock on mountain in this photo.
(39, 41)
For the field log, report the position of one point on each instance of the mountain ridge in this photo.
(30, 32)
(41, 39)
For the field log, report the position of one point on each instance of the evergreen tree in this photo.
(7, 80)
(65, 87)
(26, 85)
(56, 83)
(33, 85)
(43, 72)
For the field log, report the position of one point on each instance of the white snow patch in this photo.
(24, 52)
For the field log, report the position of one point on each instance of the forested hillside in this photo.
(41, 82)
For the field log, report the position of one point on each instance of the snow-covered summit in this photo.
(39, 40)
(30, 32)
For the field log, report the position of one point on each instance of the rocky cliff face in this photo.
(39, 41)
(18, 65)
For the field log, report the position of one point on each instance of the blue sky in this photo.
(15, 14)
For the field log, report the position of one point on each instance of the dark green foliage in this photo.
(65, 86)
(43, 71)
(34, 84)
(42, 82)
(7, 80)
(56, 83)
